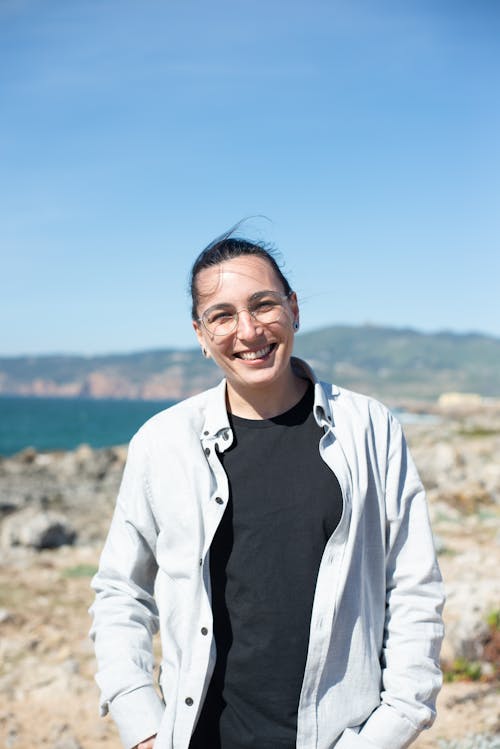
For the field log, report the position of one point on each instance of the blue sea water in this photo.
(63, 424)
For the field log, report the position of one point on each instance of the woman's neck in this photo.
(254, 403)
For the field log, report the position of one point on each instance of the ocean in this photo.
(63, 424)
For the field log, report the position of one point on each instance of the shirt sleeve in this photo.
(125, 616)
(411, 676)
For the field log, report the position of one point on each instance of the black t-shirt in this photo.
(284, 505)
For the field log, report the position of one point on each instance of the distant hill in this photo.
(389, 363)
(155, 375)
(394, 363)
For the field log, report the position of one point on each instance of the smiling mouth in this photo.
(262, 353)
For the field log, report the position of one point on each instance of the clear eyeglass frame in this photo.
(266, 308)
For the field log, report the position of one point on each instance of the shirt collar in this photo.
(322, 407)
(216, 423)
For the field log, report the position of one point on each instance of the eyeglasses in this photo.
(265, 307)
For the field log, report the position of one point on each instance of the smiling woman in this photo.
(246, 323)
(275, 531)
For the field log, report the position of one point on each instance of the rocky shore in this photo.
(55, 509)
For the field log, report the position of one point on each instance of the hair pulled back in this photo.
(227, 247)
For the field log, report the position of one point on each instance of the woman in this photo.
(275, 530)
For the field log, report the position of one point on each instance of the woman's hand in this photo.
(148, 744)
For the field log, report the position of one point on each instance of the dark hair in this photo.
(227, 247)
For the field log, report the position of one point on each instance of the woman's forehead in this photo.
(236, 279)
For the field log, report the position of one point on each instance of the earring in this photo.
(204, 352)
(296, 325)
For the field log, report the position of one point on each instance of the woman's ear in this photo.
(198, 329)
(294, 307)
(199, 332)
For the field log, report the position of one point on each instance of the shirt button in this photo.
(206, 432)
(219, 500)
(204, 631)
(201, 562)
(207, 451)
(188, 701)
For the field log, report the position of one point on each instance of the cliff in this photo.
(389, 363)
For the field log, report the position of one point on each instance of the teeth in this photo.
(255, 354)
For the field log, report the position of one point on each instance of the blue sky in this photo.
(132, 133)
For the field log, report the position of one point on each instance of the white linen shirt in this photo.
(372, 670)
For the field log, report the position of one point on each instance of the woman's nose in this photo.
(248, 326)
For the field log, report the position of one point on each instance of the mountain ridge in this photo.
(383, 361)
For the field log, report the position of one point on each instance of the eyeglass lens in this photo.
(223, 319)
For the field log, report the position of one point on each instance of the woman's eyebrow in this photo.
(220, 305)
(259, 294)
(252, 298)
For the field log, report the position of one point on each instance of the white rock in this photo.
(37, 529)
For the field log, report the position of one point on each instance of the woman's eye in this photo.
(264, 306)
(219, 317)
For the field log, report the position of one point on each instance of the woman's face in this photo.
(254, 355)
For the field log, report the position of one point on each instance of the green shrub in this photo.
(462, 669)
(80, 570)
(493, 620)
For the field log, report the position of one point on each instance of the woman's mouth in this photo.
(261, 353)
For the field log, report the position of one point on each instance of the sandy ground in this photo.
(48, 697)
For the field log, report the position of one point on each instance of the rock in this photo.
(63, 739)
(469, 636)
(28, 455)
(472, 741)
(70, 666)
(439, 544)
(8, 505)
(471, 596)
(435, 463)
(5, 616)
(37, 529)
(11, 739)
(84, 454)
(68, 742)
